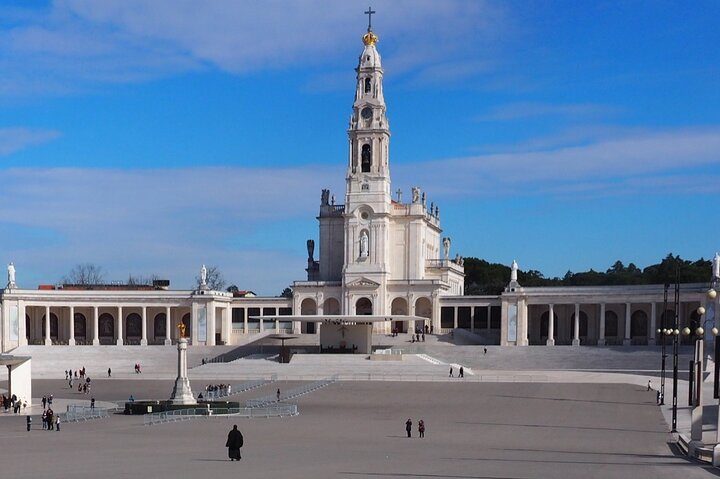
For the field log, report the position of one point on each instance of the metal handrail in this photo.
(278, 410)
(243, 387)
(291, 394)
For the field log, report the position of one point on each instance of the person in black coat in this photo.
(234, 443)
(408, 427)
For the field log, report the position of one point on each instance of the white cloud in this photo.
(624, 159)
(18, 138)
(525, 110)
(132, 40)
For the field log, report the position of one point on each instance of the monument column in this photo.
(119, 341)
(96, 332)
(653, 323)
(628, 339)
(71, 341)
(601, 339)
(551, 325)
(576, 326)
(48, 341)
(168, 326)
(143, 338)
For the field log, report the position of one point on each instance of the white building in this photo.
(377, 255)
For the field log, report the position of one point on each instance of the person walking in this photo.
(44, 401)
(50, 418)
(451, 372)
(484, 350)
(44, 420)
(408, 427)
(109, 372)
(421, 428)
(657, 398)
(649, 385)
(234, 443)
(462, 372)
(92, 402)
(66, 374)
(28, 422)
(57, 422)
(278, 394)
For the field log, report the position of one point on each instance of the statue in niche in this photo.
(203, 276)
(11, 274)
(415, 194)
(311, 249)
(446, 247)
(364, 249)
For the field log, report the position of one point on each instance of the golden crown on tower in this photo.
(370, 38)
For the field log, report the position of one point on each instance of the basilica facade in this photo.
(378, 255)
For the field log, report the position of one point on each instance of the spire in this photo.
(370, 38)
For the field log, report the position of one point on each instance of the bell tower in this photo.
(368, 172)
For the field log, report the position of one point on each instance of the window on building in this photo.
(368, 85)
(366, 158)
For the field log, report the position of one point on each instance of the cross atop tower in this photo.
(370, 13)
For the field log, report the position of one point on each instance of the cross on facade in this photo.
(369, 13)
(399, 195)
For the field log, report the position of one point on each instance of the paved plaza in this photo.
(356, 429)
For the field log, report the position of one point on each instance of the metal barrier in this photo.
(76, 413)
(278, 410)
(389, 351)
(237, 389)
(291, 394)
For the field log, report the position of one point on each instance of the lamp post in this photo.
(676, 341)
(663, 332)
(695, 399)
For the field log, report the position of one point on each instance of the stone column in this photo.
(601, 339)
(628, 339)
(455, 317)
(211, 327)
(182, 393)
(472, 318)
(71, 340)
(23, 333)
(143, 338)
(245, 321)
(226, 324)
(489, 315)
(194, 322)
(168, 326)
(551, 325)
(576, 326)
(48, 341)
(653, 323)
(120, 321)
(96, 327)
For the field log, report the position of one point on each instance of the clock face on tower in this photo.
(366, 113)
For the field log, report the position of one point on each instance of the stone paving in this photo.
(356, 429)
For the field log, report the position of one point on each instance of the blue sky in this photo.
(151, 136)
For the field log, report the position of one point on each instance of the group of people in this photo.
(421, 427)
(217, 390)
(14, 403)
(50, 420)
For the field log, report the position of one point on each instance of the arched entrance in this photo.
(331, 306)
(133, 326)
(308, 307)
(423, 308)
(611, 327)
(639, 327)
(159, 326)
(363, 306)
(80, 327)
(399, 306)
(106, 328)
